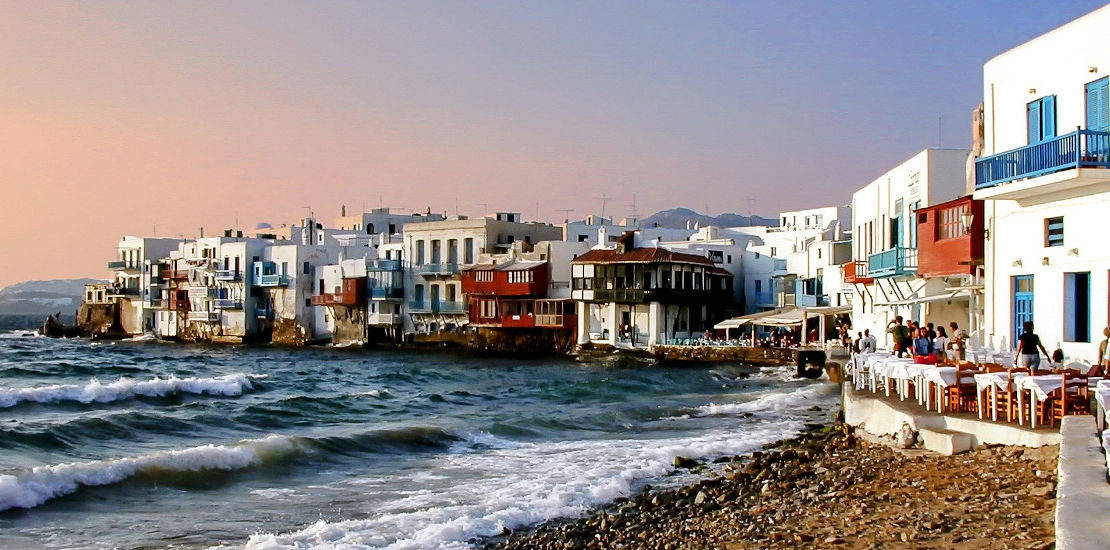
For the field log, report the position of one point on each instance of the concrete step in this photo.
(945, 442)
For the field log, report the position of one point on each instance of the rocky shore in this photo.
(830, 488)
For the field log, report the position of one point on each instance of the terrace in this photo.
(894, 262)
(1077, 150)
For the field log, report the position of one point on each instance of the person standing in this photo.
(940, 344)
(1103, 359)
(868, 344)
(958, 342)
(900, 334)
(1027, 345)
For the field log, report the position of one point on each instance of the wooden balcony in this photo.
(855, 272)
(1079, 149)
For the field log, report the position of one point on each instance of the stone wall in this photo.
(349, 326)
(726, 354)
(288, 332)
(528, 341)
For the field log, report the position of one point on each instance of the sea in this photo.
(145, 444)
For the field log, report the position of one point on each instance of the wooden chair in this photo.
(961, 396)
(1006, 399)
(1071, 397)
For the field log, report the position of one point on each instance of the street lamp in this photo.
(966, 218)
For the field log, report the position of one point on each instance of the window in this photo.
(950, 222)
(759, 285)
(488, 308)
(818, 253)
(307, 268)
(717, 256)
(1098, 105)
(1054, 231)
(1041, 115)
(730, 258)
(583, 238)
(483, 276)
(774, 251)
(419, 252)
(1077, 307)
(468, 250)
(369, 229)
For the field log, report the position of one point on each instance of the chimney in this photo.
(342, 210)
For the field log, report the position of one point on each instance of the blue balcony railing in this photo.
(383, 265)
(419, 306)
(388, 292)
(272, 280)
(119, 264)
(891, 263)
(229, 303)
(1079, 149)
(263, 313)
(437, 307)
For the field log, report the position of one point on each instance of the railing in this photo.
(1079, 149)
(157, 303)
(229, 303)
(335, 299)
(619, 294)
(263, 313)
(855, 271)
(122, 291)
(889, 263)
(117, 264)
(272, 280)
(438, 269)
(780, 265)
(549, 320)
(227, 275)
(205, 316)
(383, 265)
(810, 300)
(202, 292)
(438, 307)
(383, 319)
(382, 293)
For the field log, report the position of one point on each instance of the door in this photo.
(1023, 303)
(435, 298)
(1098, 105)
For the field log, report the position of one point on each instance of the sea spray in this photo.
(95, 391)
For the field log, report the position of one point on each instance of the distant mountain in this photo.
(677, 218)
(41, 298)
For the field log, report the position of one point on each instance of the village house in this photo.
(884, 264)
(633, 295)
(1044, 176)
(131, 285)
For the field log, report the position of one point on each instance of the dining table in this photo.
(985, 381)
(1038, 387)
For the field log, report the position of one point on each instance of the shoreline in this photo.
(827, 487)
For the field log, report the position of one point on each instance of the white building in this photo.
(131, 287)
(884, 241)
(435, 250)
(1044, 174)
(587, 230)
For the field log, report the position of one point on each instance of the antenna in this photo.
(604, 199)
(537, 218)
(632, 207)
(154, 229)
(456, 207)
(309, 208)
(566, 213)
(484, 206)
(938, 130)
(749, 200)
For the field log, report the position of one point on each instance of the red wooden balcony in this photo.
(179, 300)
(515, 279)
(950, 238)
(855, 272)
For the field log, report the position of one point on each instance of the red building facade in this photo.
(514, 295)
(950, 238)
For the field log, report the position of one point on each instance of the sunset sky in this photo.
(159, 117)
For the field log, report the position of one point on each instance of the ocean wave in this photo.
(38, 485)
(769, 403)
(516, 487)
(229, 385)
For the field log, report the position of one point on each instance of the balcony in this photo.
(117, 265)
(272, 280)
(619, 295)
(179, 301)
(1079, 149)
(892, 263)
(855, 272)
(229, 303)
(122, 291)
(779, 265)
(764, 298)
(336, 299)
(178, 274)
(228, 275)
(810, 300)
(204, 316)
(383, 265)
(264, 313)
(437, 307)
(201, 292)
(156, 303)
(386, 293)
(383, 319)
(434, 270)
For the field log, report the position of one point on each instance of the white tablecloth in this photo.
(941, 376)
(1041, 385)
(998, 379)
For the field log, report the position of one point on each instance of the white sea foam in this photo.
(40, 484)
(127, 388)
(522, 485)
(371, 393)
(771, 402)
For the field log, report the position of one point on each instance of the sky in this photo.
(159, 118)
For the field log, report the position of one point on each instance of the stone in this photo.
(683, 462)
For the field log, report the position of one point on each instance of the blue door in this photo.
(1023, 303)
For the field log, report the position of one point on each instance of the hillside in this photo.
(677, 218)
(29, 302)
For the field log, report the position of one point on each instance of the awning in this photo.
(742, 320)
(960, 294)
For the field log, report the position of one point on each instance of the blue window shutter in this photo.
(1048, 116)
(1098, 105)
(1034, 112)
